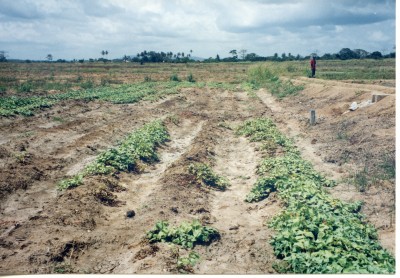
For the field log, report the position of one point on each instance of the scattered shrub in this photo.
(190, 78)
(174, 77)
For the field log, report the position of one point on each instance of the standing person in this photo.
(313, 64)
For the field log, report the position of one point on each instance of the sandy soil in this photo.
(43, 230)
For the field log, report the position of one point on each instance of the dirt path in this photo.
(242, 224)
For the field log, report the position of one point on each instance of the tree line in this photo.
(235, 56)
(242, 55)
(343, 54)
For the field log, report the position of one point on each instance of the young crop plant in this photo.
(186, 264)
(206, 176)
(186, 235)
(71, 182)
(141, 145)
(265, 131)
(316, 233)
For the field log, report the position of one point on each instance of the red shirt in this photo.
(313, 64)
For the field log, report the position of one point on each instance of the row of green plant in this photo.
(186, 234)
(121, 94)
(47, 84)
(264, 130)
(205, 175)
(13, 105)
(127, 93)
(263, 76)
(140, 145)
(316, 233)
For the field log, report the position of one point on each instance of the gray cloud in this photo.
(259, 15)
(81, 29)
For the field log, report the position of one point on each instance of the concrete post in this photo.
(312, 117)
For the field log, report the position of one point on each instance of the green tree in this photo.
(233, 52)
(49, 57)
(125, 58)
(375, 55)
(347, 53)
(361, 53)
(251, 57)
(3, 56)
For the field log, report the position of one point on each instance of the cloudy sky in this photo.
(76, 29)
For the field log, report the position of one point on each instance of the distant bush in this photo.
(25, 87)
(88, 84)
(190, 78)
(174, 77)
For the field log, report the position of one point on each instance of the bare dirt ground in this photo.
(43, 230)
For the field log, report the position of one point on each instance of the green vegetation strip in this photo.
(139, 145)
(206, 176)
(127, 93)
(26, 105)
(263, 76)
(315, 233)
(186, 235)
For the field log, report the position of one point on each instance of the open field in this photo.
(197, 168)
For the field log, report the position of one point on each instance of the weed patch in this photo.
(388, 166)
(261, 76)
